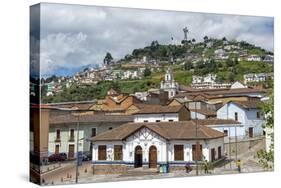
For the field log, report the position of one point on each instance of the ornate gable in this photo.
(145, 134)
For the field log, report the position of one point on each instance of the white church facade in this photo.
(149, 145)
(169, 84)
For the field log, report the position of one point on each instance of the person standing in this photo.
(239, 165)
(206, 167)
(188, 167)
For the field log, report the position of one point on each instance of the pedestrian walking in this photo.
(206, 167)
(239, 165)
(188, 167)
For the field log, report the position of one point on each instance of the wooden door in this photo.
(71, 151)
(251, 132)
(102, 152)
(219, 152)
(138, 157)
(178, 153)
(197, 155)
(213, 154)
(152, 157)
(57, 149)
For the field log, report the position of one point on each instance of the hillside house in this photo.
(253, 58)
(257, 77)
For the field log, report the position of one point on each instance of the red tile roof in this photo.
(248, 104)
(155, 109)
(216, 121)
(69, 118)
(181, 130)
(206, 112)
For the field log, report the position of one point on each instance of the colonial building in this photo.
(248, 113)
(115, 102)
(63, 131)
(149, 145)
(169, 84)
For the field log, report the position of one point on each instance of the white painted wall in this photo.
(199, 116)
(247, 117)
(153, 117)
(64, 143)
(85, 131)
(165, 150)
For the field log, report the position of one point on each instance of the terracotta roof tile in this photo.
(248, 104)
(181, 130)
(215, 93)
(216, 121)
(88, 118)
(154, 109)
(206, 112)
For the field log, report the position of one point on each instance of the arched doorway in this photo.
(138, 157)
(152, 157)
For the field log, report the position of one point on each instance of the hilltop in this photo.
(145, 67)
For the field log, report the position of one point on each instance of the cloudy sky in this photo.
(73, 36)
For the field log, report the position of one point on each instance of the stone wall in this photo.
(110, 169)
(243, 146)
(175, 168)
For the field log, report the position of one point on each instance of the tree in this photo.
(146, 72)
(188, 65)
(206, 39)
(107, 59)
(53, 78)
(266, 157)
(154, 44)
(231, 77)
(184, 42)
(224, 39)
(193, 40)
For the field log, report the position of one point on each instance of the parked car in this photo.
(87, 156)
(57, 157)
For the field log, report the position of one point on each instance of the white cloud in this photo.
(74, 35)
(56, 48)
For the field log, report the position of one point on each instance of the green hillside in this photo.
(228, 70)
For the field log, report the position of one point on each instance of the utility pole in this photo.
(229, 142)
(197, 143)
(236, 143)
(77, 152)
